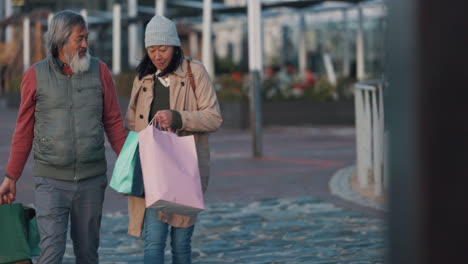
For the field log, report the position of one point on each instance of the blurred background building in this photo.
(314, 54)
(319, 37)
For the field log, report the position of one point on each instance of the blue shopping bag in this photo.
(127, 177)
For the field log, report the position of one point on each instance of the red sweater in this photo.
(24, 132)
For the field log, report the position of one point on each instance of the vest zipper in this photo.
(73, 134)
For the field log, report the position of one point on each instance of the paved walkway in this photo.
(277, 209)
(287, 230)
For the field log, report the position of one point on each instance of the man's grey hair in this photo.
(60, 29)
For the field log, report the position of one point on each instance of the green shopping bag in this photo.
(14, 244)
(127, 177)
(33, 231)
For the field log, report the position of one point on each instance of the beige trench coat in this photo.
(200, 115)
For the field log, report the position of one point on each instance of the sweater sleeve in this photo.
(111, 116)
(176, 120)
(24, 131)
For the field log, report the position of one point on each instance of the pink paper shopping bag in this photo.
(170, 172)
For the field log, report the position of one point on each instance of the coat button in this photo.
(141, 116)
(144, 89)
(182, 83)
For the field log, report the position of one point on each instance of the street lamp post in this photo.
(255, 66)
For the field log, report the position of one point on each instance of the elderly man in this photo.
(68, 100)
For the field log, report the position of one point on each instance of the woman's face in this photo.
(161, 56)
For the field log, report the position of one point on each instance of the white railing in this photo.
(370, 143)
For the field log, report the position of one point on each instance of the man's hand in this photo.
(7, 191)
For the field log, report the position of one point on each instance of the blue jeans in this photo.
(155, 234)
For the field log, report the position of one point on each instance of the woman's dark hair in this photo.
(146, 66)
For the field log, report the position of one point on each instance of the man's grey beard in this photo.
(77, 64)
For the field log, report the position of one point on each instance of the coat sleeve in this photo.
(208, 116)
(130, 116)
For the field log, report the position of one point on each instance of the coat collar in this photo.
(148, 77)
(181, 72)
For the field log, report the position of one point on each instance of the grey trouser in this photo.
(57, 201)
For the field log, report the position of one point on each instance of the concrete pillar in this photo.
(116, 45)
(207, 45)
(26, 43)
(238, 40)
(84, 14)
(255, 66)
(302, 45)
(360, 59)
(133, 38)
(160, 7)
(2, 7)
(49, 19)
(193, 44)
(329, 68)
(346, 47)
(8, 12)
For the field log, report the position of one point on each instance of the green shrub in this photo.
(226, 66)
(230, 87)
(323, 90)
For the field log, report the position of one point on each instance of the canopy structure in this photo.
(219, 8)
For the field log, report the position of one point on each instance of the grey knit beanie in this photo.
(161, 31)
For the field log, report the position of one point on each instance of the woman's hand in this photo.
(164, 118)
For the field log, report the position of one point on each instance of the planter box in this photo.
(235, 114)
(275, 113)
(290, 113)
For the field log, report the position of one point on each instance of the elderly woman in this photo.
(164, 89)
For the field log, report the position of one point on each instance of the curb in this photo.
(340, 186)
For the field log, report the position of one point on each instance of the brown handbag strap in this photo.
(190, 76)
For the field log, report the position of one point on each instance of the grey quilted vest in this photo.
(68, 129)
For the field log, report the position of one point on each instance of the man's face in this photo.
(77, 42)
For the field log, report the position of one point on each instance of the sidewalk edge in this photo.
(340, 186)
